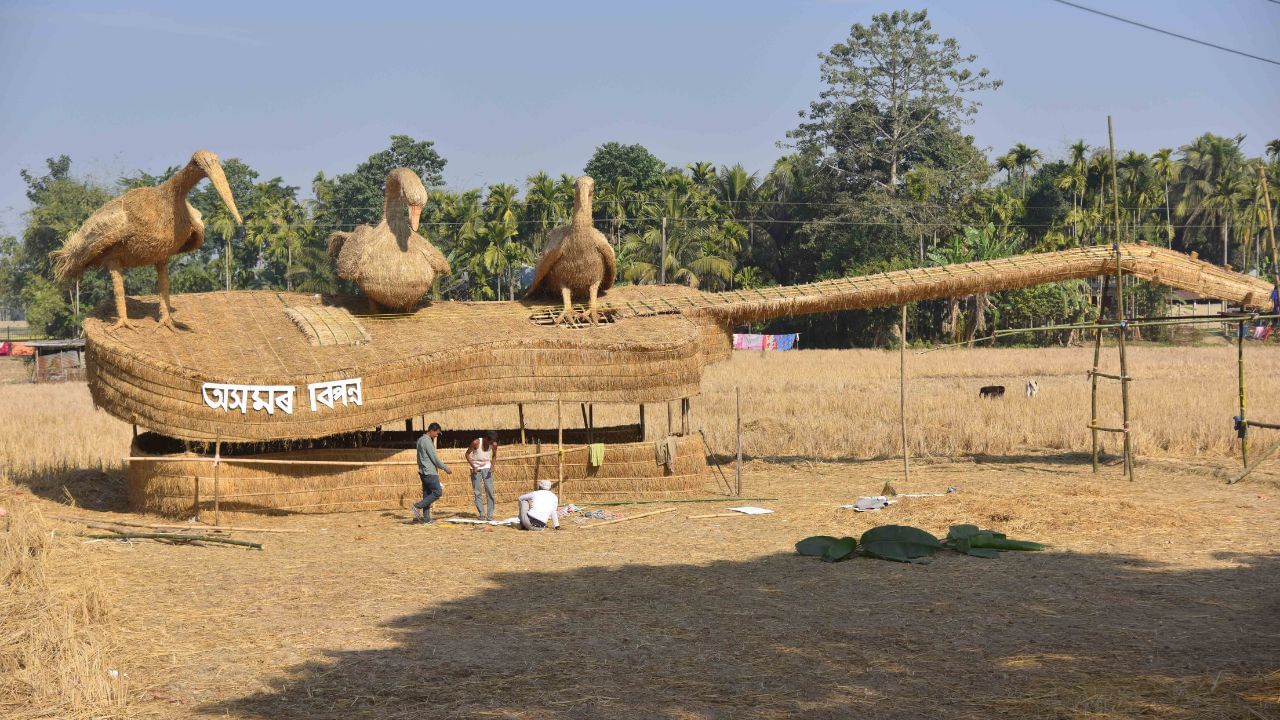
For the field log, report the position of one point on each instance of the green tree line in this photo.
(878, 174)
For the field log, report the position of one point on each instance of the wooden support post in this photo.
(586, 423)
(408, 425)
(197, 499)
(135, 431)
(559, 447)
(642, 428)
(1120, 334)
(684, 416)
(217, 463)
(1093, 374)
(668, 418)
(902, 397)
(520, 409)
(1244, 423)
(1271, 233)
(737, 467)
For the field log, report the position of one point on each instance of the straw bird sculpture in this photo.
(393, 265)
(578, 260)
(145, 226)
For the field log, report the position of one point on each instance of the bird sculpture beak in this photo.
(219, 179)
(415, 217)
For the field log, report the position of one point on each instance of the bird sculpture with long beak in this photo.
(393, 265)
(578, 260)
(145, 226)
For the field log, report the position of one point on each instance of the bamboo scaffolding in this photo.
(1119, 300)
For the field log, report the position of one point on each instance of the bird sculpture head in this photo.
(211, 166)
(582, 189)
(405, 198)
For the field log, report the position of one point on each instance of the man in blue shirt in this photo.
(429, 466)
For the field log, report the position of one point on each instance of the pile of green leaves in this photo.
(903, 543)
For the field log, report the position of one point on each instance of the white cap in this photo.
(544, 484)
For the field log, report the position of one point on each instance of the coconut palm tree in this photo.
(1166, 171)
(1025, 158)
(1008, 163)
(703, 173)
(1211, 183)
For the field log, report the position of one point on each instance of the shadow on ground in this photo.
(87, 488)
(1046, 635)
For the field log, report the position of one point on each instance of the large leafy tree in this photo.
(355, 198)
(888, 86)
(634, 163)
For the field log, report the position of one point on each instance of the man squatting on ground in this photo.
(428, 466)
(539, 506)
(481, 455)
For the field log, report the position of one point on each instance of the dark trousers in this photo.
(431, 492)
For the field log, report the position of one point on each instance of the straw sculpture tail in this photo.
(1157, 265)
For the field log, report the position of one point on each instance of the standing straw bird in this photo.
(578, 260)
(145, 226)
(390, 261)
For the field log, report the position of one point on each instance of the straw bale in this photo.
(629, 471)
(464, 354)
(326, 325)
(393, 264)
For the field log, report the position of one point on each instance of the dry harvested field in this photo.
(1159, 598)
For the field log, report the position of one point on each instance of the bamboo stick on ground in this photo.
(176, 536)
(162, 526)
(633, 517)
(676, 500)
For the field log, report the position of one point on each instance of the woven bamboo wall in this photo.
(629, 471)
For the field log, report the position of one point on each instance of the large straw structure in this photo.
(384, 478)
(390, 261)
(456, 354)
(145, 226)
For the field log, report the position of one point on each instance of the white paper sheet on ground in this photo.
(749, 510)
(473, 521)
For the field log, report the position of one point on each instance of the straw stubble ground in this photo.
(1158, 599)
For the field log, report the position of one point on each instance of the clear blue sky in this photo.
(508, 88)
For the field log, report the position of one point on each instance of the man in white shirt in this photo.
(539, 507)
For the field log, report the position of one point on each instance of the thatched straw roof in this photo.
(457, 354)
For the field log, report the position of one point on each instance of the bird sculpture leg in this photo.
(567, 315)
(162, 289)
(591, 305)
(117, 284)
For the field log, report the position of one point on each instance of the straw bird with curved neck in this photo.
(145, 226)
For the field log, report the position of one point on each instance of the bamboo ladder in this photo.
(1094, 373)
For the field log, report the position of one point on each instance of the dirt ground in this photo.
(1159, 598)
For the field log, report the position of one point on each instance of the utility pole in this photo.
(662, 261)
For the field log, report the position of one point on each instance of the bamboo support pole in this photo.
(643, 431)
(1254, 465)
(1271, 227)
(1264, 425)
(1244, 422)
(217, 456)
(737, 466)
(902, 398)
(520, 411)
(196, 515)
(1093, 377)
(559, 445)
(651, 513)
(669, 423)
(1119, 300)
(179, 528)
